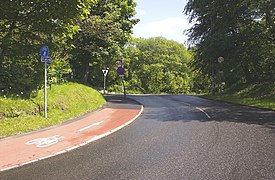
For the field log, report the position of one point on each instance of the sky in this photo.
(161, 18)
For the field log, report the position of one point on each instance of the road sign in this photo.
(46, 59)
(120, 71)
(105, 72)
(118, 64)
(220, 59)
(44, 51)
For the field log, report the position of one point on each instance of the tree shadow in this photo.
(243, 114)
(203, 110)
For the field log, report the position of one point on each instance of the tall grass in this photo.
(64, 102)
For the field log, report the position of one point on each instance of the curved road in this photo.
(176, 137)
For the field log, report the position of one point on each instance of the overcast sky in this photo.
(161, 18)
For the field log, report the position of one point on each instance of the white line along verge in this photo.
(116, 129)
(77, 146)
(208, 116)
(92, 125)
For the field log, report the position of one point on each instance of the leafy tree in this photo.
(241, 31)
(102, 39)
(25, 26)
(158, 65)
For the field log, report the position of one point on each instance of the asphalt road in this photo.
(176, 137)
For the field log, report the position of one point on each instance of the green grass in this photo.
(64, 102)
(259, 95)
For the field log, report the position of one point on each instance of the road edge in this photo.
(80, 145)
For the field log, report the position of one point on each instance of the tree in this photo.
(25, 26)
(102, 38)
(241, 31)
(158, 65)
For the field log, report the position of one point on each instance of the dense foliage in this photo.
(240, 31)
(83, 36)
(101, 39)
(158, 65)
(27, 25)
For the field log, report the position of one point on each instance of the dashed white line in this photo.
(209, 117)
(92, 125)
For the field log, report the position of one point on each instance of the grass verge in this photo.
(64, 102)
(259, 95)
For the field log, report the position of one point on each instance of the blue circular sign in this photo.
(120, 70)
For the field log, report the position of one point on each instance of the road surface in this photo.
(176, 137)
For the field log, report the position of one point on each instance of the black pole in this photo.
(124, 91)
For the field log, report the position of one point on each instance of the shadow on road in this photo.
(242, 114)
(191, 108)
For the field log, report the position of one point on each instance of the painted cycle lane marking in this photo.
(92, 125)
(44, 142)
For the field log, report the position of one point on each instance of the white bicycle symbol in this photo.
(44, 142)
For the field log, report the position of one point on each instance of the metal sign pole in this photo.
(105, 72)
(104, 84)
(44, 52)
(45, 93)
(123, 87)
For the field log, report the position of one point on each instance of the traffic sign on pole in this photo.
(44, 51)
(120, 71)
(105, 72)
(119, 63)
(46, 59)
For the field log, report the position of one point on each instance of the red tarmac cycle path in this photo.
(20, 150)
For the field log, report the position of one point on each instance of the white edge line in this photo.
(30, 162)
(74, 147)
(46, 157)
(209, 117)
(8, 168)
(60, 152)
(116, 129)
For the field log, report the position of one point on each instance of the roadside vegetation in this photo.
(231, 43)
(66, 101)
(233, 46)
(260, 95)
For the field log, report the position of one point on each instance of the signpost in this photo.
(44, 53)
(46, 59)
(105, 72)
(121, 71)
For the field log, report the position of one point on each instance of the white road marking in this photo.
(92, 125)
(77, 146)
(204, 112)
(44, 142)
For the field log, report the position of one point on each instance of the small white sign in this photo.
(119, 63)
(105, 72)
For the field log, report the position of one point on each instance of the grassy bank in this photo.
(260, 95)
(64, 102)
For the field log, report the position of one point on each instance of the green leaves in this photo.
(25, 27)
(240, 31)
(102, 39)
(158, 65)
